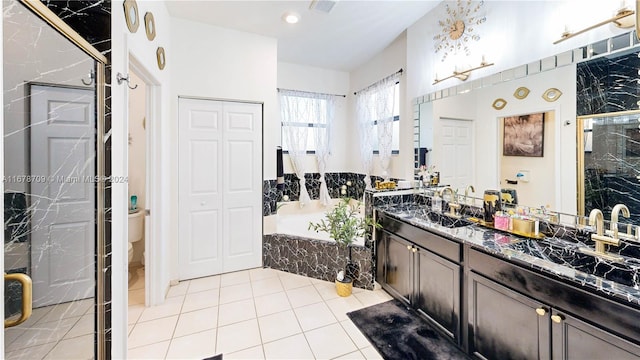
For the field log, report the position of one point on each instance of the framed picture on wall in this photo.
(524, 135)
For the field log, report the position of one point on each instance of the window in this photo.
(395, 139)
(311, 116)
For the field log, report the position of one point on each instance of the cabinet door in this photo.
(575, 339)
(504, 324)
(438, 293)
(398, 267)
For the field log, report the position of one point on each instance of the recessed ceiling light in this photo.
(291, 17)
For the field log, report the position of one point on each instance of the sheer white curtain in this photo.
(306, 124)
(375, 108)
(325, 112)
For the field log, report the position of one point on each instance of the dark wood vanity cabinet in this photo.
(427, 281)
(504, 324)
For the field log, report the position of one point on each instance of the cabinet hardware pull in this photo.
(409, 247)
(557, 318)
(541, 311)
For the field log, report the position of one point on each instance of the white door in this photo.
(242, 184)
(220, 181)
(456, 144)
(63, 194)
(200, 184)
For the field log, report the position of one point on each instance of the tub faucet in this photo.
(615, 213)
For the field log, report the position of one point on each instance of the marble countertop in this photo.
(554, 256)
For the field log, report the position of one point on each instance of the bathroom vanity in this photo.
(501, 296)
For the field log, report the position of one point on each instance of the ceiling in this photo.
(343, 39)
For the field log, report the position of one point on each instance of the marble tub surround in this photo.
(558, 257)
(317, 259)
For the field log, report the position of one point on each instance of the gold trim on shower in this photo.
(27, 298)
(50, 17)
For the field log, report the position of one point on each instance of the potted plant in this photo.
(344, 224)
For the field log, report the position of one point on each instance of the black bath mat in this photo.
(217, 357)
(398, 332)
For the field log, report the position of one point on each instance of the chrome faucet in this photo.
(466, 192)
(615, 213)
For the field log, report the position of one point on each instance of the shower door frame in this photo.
(103, 275)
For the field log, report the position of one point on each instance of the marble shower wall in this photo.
(612, 153)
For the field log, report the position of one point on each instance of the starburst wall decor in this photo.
(458, 29)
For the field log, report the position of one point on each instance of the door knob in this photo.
(27, 298)
(541, 311)
(557, 318)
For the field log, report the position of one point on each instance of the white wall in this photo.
(313, 79)
(136, 45)
(137, 151)
(387, 62)
(218, 63)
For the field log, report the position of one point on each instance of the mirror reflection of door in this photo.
(50, 188)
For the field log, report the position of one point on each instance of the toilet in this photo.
(136, 230)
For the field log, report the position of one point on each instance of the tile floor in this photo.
(63, 331)
(251, 314)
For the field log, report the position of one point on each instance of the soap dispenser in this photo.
(436, 202)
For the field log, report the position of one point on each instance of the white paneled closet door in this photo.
(220, 182)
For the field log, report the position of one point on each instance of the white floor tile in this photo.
(201, 300)
(235, 278)
(195, 346)
(303, 296)
(369, 298)
(293, 347)
(150, 332)
(154, 351)
(356, 355)
(202, 284)
(273, 303)
(85, 326)
(342, 305)
(33, 352)
(258, 274)
(177, 290)
(197, 321)
(236, 312)
(314, 316)
(235, 292)
(278, 326)
(239, 336)
(170, 307)
(254, 353)
(76, 348)
(129, 328)
(327, 290)
(329, 342)
(355, 334)
(370, 353)
(267, 286)
(292, 281)
(134, 313)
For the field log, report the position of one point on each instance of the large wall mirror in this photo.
(53, 116)
(605, 147)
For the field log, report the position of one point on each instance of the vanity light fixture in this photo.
(462, 75)
(290, 17)
(620, 20)
(521, 92)
(499, 103)
(552, 94)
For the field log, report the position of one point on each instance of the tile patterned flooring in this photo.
(252, 314)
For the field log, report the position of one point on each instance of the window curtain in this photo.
(299, 107)
(323, 142)
(375, 108)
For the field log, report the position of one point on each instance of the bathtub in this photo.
(294, 220)
(289, 246)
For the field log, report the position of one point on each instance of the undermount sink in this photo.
(445, 220)
(569, 254)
